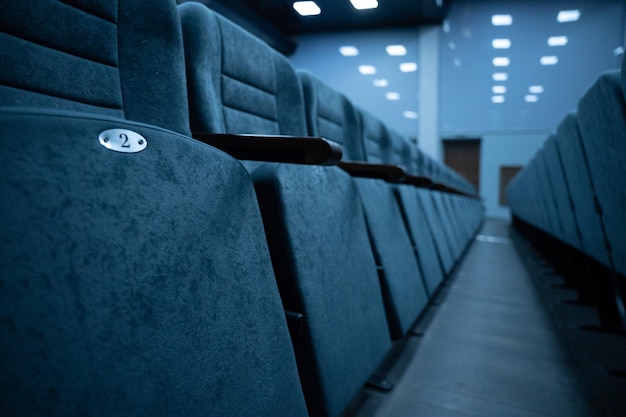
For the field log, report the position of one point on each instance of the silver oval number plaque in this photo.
(122, 140)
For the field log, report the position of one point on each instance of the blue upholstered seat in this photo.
(313, 215)
(131, 283)
(420, 231)
(331, 115)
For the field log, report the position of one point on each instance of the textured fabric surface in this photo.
(448, 224)
(577, 176)
(313, 216)
(435, 221)
(561, 193)
(331, 115)
(134, 284)
(110, 62)
(403, 289)
(237, 83)
(602, 120)
(546, 191)
(326, 271)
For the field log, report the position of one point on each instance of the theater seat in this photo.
(134, 274)
(313, 215)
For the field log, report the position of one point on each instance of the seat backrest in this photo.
(602, 121)
(251, 88)
(102, 59)
(132, 283)
(576, 170)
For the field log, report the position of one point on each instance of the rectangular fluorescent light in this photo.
(500, 76)
(531, 98)
(501, 43)
(501, 61)
(380, 82)
(367, 69)
(408, 67)
(364, 4)
(498, 89)
(535, 89)
(549, 60)
(557, 40)
(396, 50)
(410, 114)
(307, 8)
(497, 99)
(502, 20)
(568, 16)
(348, 51)
(393, 96)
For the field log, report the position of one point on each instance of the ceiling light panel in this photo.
(501, 43)
(500, 76)
(307, 8)
(364, 4)
(502, 20)
(380, 82)
(348, 51)
(531, 98)
(410, 114)
(568, 16)
(396, 50)
(408, 67)
(498, 89)
(501, 61)
(367, 69)
(557, 40)
(535, 89)
(497, 99)
(392, 96)
(549, 60)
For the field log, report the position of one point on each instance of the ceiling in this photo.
(278, 23)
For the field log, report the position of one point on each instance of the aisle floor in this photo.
(490, 347)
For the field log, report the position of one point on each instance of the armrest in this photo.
(391, 173)
(417, 181)
(274, 148)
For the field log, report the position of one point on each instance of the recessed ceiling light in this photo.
(348, 51)
(618, 51)
(557, 40)
(501, 61)
(410, 114)
(380, 82)
(501, 43)
(568, 16)
(367, 69)
(497, 99)
(549, 60)
(396, 50)
(502, 20)
(498, 89)
(531, 98)
(408, 67)
(393, 96)
(500, 76)
(364, 4)
(307, 8)
(535, 89)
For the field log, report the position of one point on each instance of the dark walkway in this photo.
(492, 347)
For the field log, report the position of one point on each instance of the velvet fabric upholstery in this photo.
(579, 182)
(602, 120)
(131, 284)
(313, 216)
(128, 285)
(98, 66)
(401, 281)
(554, 165)
(415, 218)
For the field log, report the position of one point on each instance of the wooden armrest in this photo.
(391, 173)
(275, 148)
